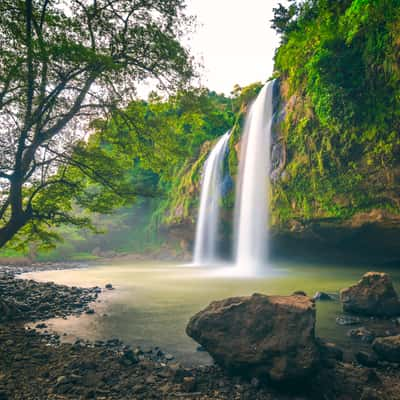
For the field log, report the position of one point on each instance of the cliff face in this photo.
(340, 96)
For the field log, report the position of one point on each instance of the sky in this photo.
(233, 41)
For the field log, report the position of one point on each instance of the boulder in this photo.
(321, 296)
(260, 336)
(388, 348)
(373, 295)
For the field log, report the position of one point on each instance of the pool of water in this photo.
(152, 303)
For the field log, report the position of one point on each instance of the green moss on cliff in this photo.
(340, 79)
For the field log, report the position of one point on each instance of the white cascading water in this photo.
(205, 250)
(252, 197)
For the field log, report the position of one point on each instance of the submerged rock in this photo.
(373, 295)
(344, 320)
(260, 336)
(388, 348)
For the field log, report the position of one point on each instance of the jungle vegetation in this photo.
(338, 67)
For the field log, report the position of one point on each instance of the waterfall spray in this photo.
(205, 251)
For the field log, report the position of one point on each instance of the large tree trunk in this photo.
(11, 228)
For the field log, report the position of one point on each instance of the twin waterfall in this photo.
(252, 195)
(205, 250)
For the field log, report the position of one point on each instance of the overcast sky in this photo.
(234, 41)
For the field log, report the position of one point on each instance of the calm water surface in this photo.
(152, 303)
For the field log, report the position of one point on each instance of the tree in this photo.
(284, 17)
(61, 64)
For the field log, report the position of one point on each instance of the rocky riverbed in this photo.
(34, 364)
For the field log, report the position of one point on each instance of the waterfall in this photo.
(205, 251)
(252, 197)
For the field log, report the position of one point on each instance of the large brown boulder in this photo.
(373, 295)
(264, 336)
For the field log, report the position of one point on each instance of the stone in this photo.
(362, 334)
(366, 359)
(321, 296)
(388, 348)
(62, 380)
(373, 295)
(188, 384)
(260, 336)
(329, 352)
(128, 358)
(344, 320)
(109, 286)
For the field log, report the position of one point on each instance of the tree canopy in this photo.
(62, 63)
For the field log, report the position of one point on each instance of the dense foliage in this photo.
(339, 66)
(61, 64)
(155, 141)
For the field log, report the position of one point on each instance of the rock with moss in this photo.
(373, 295)
(388, 348)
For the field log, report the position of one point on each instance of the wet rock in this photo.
(62, 380)
(28, 300)
(264, 336)
(329, 352)
(188, 384)
(367, 359)
(388, 348)
(128, 358)
(109, 286)
(345, 320)
(362, 334)
(322, 296)
(373, 295)
(90, 311)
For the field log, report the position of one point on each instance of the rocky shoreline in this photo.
(36, 365)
